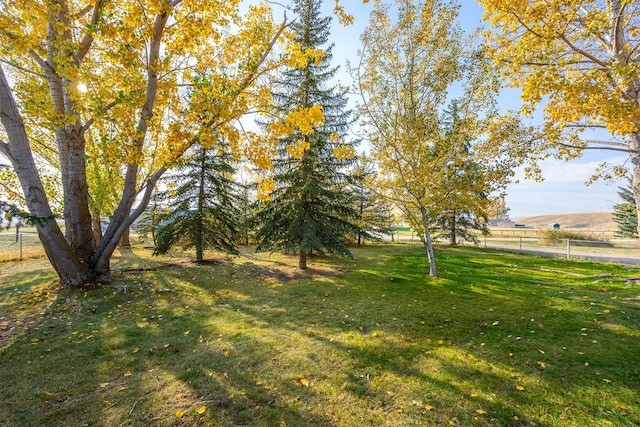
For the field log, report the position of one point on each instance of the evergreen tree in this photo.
(466, 205)
(150, 219)
(201, 214)
(374, 212)
(247, 205)
(308, 209)
(625, 214)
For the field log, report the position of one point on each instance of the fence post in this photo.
(20, 246)
(520, 243)
(568, 248)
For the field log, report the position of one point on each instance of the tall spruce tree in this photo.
(201, 214)
(625, 214)
(308, 209)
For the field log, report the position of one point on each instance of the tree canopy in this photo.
(407, 67)
(581, 60)
(308, 208)
(110, 79)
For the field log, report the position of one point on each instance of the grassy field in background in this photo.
(499, 339)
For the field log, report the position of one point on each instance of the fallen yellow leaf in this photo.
(429, 408)
(440, 342)
(375, 334)
(519, 388)
(258, 382)
(480, 411)
(48, 393)
(135, 350)
(103, 385)
(304, 382)
(127, 374)
(586, 363)
(225, 353)
(399, 411)
(180, 413)
(202, 409)
(606, 311)
(474, 394)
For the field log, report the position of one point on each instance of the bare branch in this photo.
(86, 42)
(580, 125)
(4, 149)
(612, 143)
(41, 62)
(583, 52)
(26, 70)
(89, 122)
(623, 150)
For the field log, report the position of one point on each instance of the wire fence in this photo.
(620, 251)
(20, 246)
(532, 241)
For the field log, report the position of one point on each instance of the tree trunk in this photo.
(302, 260)
(199, 239)
(428, 244)
(635, 168)
(70, 268)
(453, 229)
(125, 239)
(97, 228)
(361, 213)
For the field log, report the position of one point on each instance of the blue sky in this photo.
(563, 190)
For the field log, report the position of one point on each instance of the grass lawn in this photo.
(498, 340)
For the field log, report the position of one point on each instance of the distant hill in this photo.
(587, 220)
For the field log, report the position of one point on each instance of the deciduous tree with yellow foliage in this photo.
(408, 66)
(111, 78)
(583, 59)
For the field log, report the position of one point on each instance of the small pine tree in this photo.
(374, 217)
(202, 214)
(308, 208)
(149, 221)
(625, 214)
(467, 202)
(247, 206)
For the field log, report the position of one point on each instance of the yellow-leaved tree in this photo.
(582, 58)
(413, 56)
(130, 85)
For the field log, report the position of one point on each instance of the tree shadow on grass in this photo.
(147, 357)
(261, 352)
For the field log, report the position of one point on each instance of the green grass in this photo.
(498, 340)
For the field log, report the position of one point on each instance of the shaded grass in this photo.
(381, 344)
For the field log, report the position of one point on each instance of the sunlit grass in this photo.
(498, 339)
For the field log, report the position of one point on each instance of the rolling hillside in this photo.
(585, 220)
